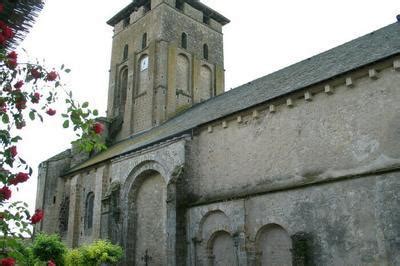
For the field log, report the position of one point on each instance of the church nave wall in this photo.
(331, 221)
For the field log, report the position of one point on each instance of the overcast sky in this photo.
(263, 37)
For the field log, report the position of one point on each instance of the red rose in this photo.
(51, 112)
(19, 178)
(36, 73)
(51, 263)
(12, 55)
(37, 217)
(1, 8)
(11, 62)
(8, 33)
(98, 128)
(2, 40)
(19, 85)
(51, 76)
(36, 97)
(13, 151)
(7, 262)
(5, 193)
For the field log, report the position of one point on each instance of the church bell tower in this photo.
(167, 55)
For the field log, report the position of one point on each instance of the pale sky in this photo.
(263, 36)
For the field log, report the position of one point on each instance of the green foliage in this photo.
(99, 252)
(22, 252)
(74, 257)
(49, 247)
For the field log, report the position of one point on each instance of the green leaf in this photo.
(85, 105)
(66, 124)
(95, 112)
(5, 119)
(68, 70)
(62, 66)
(32, 115)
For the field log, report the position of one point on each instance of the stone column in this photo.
(74, 213)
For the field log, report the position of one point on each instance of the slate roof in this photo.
(365, 50)
(195, 3)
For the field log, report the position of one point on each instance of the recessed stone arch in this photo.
(221, 249)
(149, 183)
(205, 90)
(211, 222)
(273, 246)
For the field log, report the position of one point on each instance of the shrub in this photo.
(95, 254)
(49, 247)
(74, 257)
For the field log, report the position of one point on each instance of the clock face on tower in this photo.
(144, 63)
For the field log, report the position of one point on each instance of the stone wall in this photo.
(323, 162)
(351, 222)
(152, 95)
(51, 190)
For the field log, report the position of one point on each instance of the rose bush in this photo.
(30, 91)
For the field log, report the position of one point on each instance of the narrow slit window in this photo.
(144, 41)
(205, 51)
(184, 41)
(126, 51)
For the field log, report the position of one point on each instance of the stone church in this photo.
(299, 167)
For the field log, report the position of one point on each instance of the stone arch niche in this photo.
(205, 90)
(214, 240)
(148, 206)
(122, 91)
(221, 249)
(273, 246)
(183, 91)
(147, 222)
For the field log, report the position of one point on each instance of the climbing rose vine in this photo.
(30, 91)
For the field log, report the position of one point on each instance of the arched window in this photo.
(205, 51)
(144, 40)
(122, 92)
(184, 41)
(89, 211)
(126, 51)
